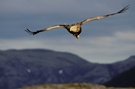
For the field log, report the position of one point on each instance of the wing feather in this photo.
(104, 16)
(45, 29)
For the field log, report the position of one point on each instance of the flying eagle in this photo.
(75, 28)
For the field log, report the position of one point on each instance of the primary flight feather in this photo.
(75, 28)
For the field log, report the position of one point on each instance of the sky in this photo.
(103, 41)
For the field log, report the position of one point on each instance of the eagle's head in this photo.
(77, 36)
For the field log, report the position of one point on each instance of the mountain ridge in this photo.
(38, 66)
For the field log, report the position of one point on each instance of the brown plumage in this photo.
(75, 29)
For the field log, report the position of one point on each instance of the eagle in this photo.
(75, 29)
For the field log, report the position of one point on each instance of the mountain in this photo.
(39, 66)
(125, 79)
(121, 66)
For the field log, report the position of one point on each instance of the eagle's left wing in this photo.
(104, 16)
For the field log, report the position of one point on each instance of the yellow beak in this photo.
(78, 36)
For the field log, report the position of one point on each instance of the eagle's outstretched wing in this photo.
(45, 29)
(104, 16)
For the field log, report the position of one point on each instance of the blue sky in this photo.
(104, 41)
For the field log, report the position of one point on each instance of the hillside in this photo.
(72, 86)
(125, 79)
(28, 67)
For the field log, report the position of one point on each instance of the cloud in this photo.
(126, 35)
(56, 7)
(96, 49)
(118, 36)
(34, 6)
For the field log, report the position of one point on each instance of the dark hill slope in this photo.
(125, 79)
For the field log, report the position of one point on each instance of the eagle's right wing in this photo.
(45, 29)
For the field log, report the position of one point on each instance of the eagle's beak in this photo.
(78, 36)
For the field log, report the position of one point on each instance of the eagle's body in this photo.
(75, 29)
